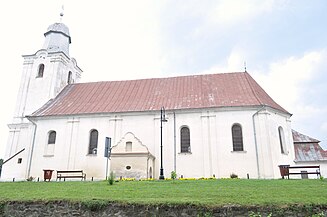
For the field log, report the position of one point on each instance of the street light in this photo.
(162, 119)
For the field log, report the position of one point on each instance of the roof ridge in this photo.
(156, 78)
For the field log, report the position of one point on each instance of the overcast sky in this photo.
(284, 45)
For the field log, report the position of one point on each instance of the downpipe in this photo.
(32, 148)
(255, 141)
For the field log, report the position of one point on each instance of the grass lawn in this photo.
(198, 192)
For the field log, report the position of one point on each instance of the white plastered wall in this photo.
(211, 142)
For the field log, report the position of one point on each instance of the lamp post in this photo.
(162, 119)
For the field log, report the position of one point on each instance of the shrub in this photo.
(111, 178)
(321, 177)
(29, 179)
(233, 176)
(173, 175)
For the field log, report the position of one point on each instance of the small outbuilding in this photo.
(309, 152)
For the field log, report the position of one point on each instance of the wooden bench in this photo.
(287, 171)
(70, 174)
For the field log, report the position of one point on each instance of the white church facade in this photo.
(214, 124)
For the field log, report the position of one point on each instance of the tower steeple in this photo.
(57, 39)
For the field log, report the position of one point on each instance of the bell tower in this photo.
(46, 72)
(43, 77)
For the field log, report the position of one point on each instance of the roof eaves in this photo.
(310, 161)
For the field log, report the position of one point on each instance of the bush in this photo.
(173, 175)
(321, 177)
(111, 178)
(29, 179)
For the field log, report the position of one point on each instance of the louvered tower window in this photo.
(40, 71)
(70, 77)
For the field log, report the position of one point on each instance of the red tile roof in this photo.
(185, 92)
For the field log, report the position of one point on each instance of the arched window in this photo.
(70, 77)
(128, 146)
(40, 71)
(281, 140)
(52, 137)
(93, 142)
(185, 140)
(237, 137)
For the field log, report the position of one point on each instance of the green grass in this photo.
(199, 192)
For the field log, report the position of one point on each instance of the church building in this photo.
(198, 125)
